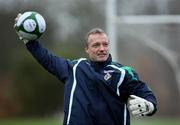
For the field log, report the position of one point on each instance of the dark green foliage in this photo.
(38, 92)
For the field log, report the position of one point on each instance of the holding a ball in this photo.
(97, 90)
(30, 26)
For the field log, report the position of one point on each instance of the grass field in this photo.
(55, 121)
(33, 121)
(153, 121)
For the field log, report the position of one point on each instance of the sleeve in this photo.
(58, 66)
(134, 86)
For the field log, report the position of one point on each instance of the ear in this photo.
(86, 49)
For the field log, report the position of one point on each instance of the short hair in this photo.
(93, 31)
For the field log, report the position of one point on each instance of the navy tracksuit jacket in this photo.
(95, 93)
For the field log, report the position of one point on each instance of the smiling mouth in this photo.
(102, 54)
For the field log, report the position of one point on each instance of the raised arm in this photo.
(58, 66)
(27, 31)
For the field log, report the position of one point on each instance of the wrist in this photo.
(25, 41)
(150, 108)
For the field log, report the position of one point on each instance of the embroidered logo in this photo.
(107, 75)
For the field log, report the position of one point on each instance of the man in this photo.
(98, 91)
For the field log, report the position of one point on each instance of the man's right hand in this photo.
(15, 23)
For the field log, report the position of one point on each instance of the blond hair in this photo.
(93, 31)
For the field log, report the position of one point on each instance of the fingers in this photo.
(137, 106)
(138, 111)
(16, 19)
(134, 97)
(134, 101)
(19, 14)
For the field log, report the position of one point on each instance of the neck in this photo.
(98, 65)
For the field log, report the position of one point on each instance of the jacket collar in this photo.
(100, 65)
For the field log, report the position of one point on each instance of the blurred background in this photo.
(144, 35)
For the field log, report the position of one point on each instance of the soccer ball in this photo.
(30, 25)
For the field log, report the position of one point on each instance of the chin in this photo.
(102, 59)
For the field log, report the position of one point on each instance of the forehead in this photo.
(97, 37)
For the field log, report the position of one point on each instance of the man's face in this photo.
(98, 47)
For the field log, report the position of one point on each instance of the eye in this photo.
(106, 44)
(95, 45)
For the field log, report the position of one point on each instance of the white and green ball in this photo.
(30, 25)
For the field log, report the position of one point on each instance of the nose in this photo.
(101, 48)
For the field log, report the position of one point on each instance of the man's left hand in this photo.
(139, 106)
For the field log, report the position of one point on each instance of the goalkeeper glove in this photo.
(139, 106)
(19, 35)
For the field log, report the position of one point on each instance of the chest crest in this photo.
(108, 74)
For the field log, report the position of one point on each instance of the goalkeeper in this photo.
(97, 91)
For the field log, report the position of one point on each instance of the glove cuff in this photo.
(150, 107)
(25, 41)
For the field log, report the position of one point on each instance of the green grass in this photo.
(58, 121)
(34, 121)
(156, 121)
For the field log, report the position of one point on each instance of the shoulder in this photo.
(124, 67)
(77, 61)
(115, 65)
(128, 70)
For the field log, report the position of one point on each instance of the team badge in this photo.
(107, 75)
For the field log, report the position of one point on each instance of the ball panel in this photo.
(41, 23)
(23, 17)
(29, 25)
